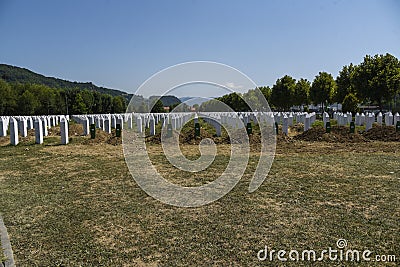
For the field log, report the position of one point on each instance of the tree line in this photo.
(35, 99)
(374, 81)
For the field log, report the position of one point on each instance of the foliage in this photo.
(24, 76)
(118, 104)
(37, 99)
(158, 107)
(27, 103)
(7, 98)
(343, 83)
(377, 78)
(283, 92)
(266, 91)
(322, 88)
(350, 103)
(302, 92)
(234, 101)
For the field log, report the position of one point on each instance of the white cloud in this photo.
(233, 85)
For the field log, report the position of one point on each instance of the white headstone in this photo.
(44, 125)
(130, 121)
(307, 124)
(98, 122)
(152, 126)
(3, 127)
(369, 120)
(86, 128)
(379, 118)
(38, 132)
(390, 119)
(64, 131)
(14, 132)
(396, 118)
(285, 124)
(23, 127)
(139, 124)
(107, 125)
(113, 121)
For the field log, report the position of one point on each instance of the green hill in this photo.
(16, 74)
(167, 100)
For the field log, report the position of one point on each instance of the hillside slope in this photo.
(16, 74)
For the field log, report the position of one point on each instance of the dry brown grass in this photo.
(77, 205)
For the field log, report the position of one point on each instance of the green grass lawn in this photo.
(77, 205)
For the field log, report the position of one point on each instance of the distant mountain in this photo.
(167, 100)
(16, 74)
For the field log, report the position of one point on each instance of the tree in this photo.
(302, 92)
(343, 83)
(377, 78)
(158, 107)
(106, 103)
(7, 99)
(88, 99)
(27, 103)
(46, 97)
(266, 91)
(350, 103)
(322, 89)
(98, 104)
(79, 106)
(282, 92)
(118, 104)
(233, 100)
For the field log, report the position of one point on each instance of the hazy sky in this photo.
(120, 44)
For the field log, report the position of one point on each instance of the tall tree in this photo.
(27, 103)
(118, 104)
(343, 83)
(302, 92)
(158, 107)
(79, 106)
(377, 78)
(7, 99)
(106, 102)
(88, 99)
(322, 89)
(350, 103)
(282, 92)
(266, 91)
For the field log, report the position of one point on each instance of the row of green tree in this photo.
(35, 99)
(375, 81)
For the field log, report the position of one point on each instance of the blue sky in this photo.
(120, 44)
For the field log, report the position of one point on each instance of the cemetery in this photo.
(288, 126)
(199, 133)
(70, 200)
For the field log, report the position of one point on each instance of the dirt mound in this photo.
(104, 138)
(382, 133)
(338, 134)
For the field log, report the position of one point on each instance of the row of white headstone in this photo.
(366, 119)
(19, 126)
(142, 121)
(286, 119)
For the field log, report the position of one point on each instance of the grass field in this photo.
(77, 205)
